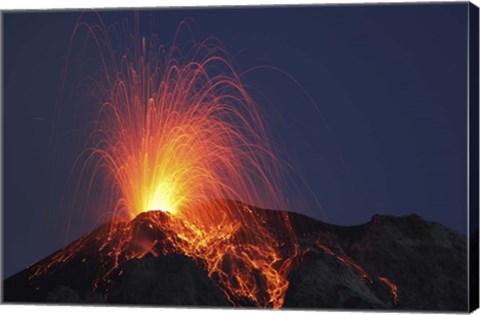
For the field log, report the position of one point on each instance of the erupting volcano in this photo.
(177, 131)
(187, 168)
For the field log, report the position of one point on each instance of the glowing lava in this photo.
(392, 287)
(363, 275)
(177, 131)
(347, 261)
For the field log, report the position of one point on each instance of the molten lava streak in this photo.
(363, 275)
(392, 287)
(177, 131)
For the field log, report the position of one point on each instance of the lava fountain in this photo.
(176, 130)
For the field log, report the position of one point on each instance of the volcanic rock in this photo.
(388, 263)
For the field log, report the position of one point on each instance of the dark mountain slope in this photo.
(387, 263)
(426, 262)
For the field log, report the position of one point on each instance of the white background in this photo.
(69, 4)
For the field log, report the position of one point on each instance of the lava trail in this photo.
(176, 130)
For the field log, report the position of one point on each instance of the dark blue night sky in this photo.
(389, 81)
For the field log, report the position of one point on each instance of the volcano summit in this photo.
(388, 263)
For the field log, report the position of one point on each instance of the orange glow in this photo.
(347, 261)
(392, 287)
(363, 275)
(177, 131)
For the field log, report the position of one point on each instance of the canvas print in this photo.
(296, 157)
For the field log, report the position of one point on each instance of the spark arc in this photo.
(177, 131)
(181, 152)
